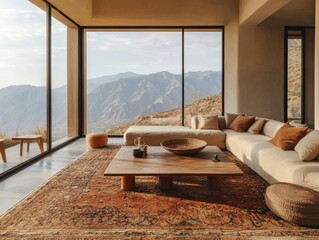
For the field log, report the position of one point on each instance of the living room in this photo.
(119, 71)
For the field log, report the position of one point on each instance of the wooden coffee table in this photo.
(166, 165)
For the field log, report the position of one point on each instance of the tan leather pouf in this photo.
(96, 140)
(294, 203)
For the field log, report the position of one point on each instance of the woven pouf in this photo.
(95, 140)
(294, 203)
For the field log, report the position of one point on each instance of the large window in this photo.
(203, 72)
(22, 73)
(135, 76)
(35, 98)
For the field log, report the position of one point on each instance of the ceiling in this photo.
(176, 12)
(295, 13)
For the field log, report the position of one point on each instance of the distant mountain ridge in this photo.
(112, 100)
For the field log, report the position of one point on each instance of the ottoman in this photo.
(294, 203)
(95, 140)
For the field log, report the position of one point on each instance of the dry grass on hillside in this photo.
(209, 105)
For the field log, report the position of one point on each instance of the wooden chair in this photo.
(2, 150)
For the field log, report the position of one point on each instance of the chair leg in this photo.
(21, 147)
(3, 152)
(40, 142)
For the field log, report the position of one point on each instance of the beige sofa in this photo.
(269, 161)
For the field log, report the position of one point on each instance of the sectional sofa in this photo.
(269, 161)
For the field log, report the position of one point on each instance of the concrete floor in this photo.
(16, 187)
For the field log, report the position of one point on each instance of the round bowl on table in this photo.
(184, 146)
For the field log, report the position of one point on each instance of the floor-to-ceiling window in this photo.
(63, 78)
(22, 73)
(36, 66)
(135, 76)
(295, 77)
(203, 72)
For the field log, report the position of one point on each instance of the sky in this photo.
(23, 49)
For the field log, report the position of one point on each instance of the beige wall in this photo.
(261, 71)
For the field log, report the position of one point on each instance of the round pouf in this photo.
(294, 203)
(95, 140)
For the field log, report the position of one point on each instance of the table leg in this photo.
(3, 152)
(127, 183)
(28, 145)
(213, 182)
(21, 147)
(40, 142)
(165, 182)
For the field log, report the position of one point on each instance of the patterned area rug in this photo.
(80, 203)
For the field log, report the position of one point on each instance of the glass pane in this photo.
(23, 75)
(64, 85)
(294, 78)
(133, 78)
(203, 72)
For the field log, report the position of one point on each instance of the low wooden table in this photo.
(29, 138)
(166, 165)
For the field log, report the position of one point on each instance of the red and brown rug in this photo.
(80, 203)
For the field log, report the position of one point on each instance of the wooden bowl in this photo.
(184, 146)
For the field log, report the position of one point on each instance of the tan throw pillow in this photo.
(208, 122)
(242, 123)
(288, 136)
(308, 147)
(230, 117)
(256, 127)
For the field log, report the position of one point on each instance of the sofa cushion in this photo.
(154, 135)
(242, 123)
(208, 121)
(288, 136)
(271, 127)
(256, 127)
(270, 162)
(308, 147)
(221, 122)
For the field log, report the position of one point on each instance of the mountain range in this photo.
(111, 100)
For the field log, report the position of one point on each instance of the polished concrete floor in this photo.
(16, 187)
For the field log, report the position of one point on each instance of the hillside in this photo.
(208, 105)
(122, 101)
(294, 76)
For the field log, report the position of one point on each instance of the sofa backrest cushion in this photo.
(221, 122)
(271, 127)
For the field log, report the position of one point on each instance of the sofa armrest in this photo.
(194, 122)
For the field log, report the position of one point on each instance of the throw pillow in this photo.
(242, 123)
(230, 117)
(288, 136)
(208, 122)
(256, 127)
(308, 147)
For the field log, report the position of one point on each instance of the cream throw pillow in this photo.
(257, 126)
(308, 147)
(230, 117)
(208, 121)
